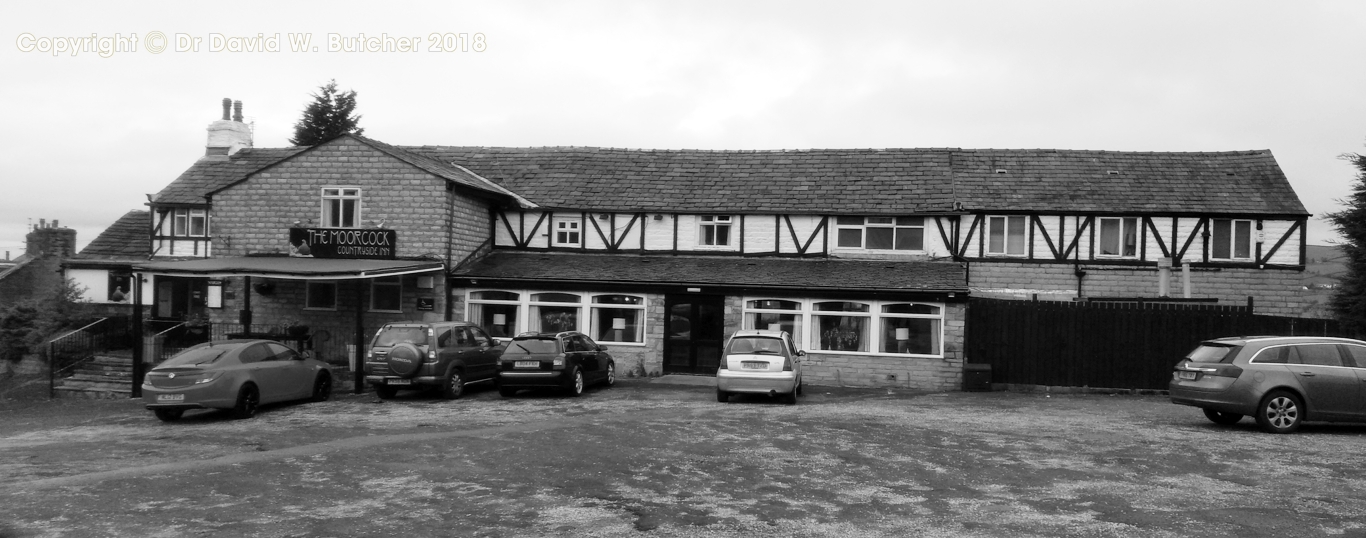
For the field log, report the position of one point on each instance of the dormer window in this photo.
(189, 222)
(341, 207)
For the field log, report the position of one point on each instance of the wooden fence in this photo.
(1122, 345)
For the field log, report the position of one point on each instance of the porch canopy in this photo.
(288, 268)
(279, 267)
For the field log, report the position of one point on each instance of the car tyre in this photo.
(798, 392)
(454, 386)
(611, 375)
(322, 388)
(1220, 417)
(506, 392)
(1280, 412)
(248, 398)
(575, 387)
(790, 398)
(385, 393)
(169, 415)
(722, 396)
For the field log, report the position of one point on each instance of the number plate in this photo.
(528, 364)
(170, 397)
(754, 365)
(1186, 375)
(398, 381)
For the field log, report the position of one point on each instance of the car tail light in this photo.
(787, 364)
(431, 355)
(558, 362)
(723, 362)
(1221, 370)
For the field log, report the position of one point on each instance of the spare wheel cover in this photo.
(404, 359)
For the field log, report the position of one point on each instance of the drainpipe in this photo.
(1080, 275)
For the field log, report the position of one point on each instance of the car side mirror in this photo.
(602, 347)
(801, 353)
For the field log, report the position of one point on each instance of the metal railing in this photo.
(74, 348)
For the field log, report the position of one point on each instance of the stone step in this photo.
(104, 368)
(85, 384)
(88, 393)
(112, 377)
(111, 361)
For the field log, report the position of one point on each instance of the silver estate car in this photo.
(760, 362)
(1280, 380)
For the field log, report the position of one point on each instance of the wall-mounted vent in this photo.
(1000, 170)
(1112, 172)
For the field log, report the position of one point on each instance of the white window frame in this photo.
(585, 305)
(180, 222)
(715, 223)
(519, 311)
(386, 282)
(571, 228)
(1100, 237)
(340, 195)
(594, 307)
(809, 340)
(308, 294)
(991, 221)
(1233, 240)
(891, 222)
(798, 336)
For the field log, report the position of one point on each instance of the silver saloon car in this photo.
(760, 362)
(1280, 381)
(235, 374)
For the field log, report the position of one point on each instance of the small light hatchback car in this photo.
(760, 362)
(1281, 381)
(233, 374)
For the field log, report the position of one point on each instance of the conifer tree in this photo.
(1349, 300)
(327, 117)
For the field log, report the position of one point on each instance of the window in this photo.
(554, 312)
(320, 295)
(714, 231)
(841, 326)
(386, 294)
(1119, 237)
(186, 222)
(911, 329)
(341, 208)
(495, 311)
(120, 288)
(619, 318)
(1358, 354)
(775, 315)
(254, 353)
(199, 223)
(1006, 236)
(567, 233)
(1316, 355)
(874, 327)
(1232, 239)
(880, 233)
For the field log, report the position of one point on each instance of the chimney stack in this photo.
(228, 135)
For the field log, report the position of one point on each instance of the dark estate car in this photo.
(439, 355)
(1282, 381)
(568, 361)
(233, 374)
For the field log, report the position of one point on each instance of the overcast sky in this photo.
(86, 137)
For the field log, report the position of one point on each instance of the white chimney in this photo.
(228, 135)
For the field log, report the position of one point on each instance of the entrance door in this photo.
(177, 298)
(694, 333)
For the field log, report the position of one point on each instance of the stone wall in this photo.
(1274, 291)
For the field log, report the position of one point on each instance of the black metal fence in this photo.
(331, 344)
(66, 352)
(1122, 345)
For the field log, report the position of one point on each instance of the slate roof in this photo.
(771, 273)
(125, 239)
(1223, 182)
(437, 168)
(206, 176)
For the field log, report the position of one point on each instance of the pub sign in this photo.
(349, 243)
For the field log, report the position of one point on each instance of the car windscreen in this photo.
(755, 346)
(532, 345)
(1211, 353)
(393, 336)
(197, 356)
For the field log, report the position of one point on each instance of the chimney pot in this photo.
(237, 111)
(42, 223)
(227, 104)
(54, 224)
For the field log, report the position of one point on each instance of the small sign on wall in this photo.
(426, 304)
(214, 296)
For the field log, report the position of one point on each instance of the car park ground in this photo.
(659, 459)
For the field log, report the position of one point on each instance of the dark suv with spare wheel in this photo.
(437, 355)
(568, 361)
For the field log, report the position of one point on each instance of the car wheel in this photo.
(384, 392)
(454, 386)
(1220, 417)
(169, 415)
(507, 392)
(611, 374)
(790, 398)
(322, 388)
(799, 387)
(575, 387)
(722, 396)
(247, 400)
(1280, 412)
